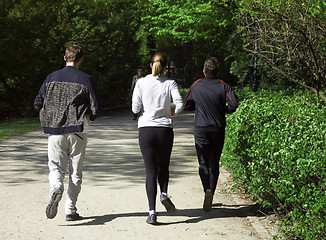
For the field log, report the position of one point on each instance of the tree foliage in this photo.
(189, 31)
(188, 20)
(120, 35)
(34, 35)
(291, 39)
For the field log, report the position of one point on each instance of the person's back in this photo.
(156, 93)
(213, 99)
(68, 93)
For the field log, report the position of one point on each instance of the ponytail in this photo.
(159, 62)
(156, 68)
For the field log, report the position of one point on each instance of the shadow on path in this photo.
(112, 153)
(194, 215)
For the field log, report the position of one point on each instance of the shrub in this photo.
(276, 147)
(183, 92)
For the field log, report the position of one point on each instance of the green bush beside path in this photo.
(276, 148)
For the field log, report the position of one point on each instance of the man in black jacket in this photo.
(211, 99)
(63, 100)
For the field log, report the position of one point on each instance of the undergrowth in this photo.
(276, 147)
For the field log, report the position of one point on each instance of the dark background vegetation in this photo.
(118, 36)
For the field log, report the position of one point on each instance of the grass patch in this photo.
(17, 127)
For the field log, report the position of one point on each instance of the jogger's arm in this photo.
(137, 102)
(231, 100)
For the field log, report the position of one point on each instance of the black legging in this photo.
(156, 146)
(209, 146)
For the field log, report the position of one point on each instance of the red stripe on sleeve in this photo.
(226, 91)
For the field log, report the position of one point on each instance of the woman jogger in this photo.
(152, 99)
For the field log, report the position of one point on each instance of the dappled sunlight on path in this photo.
(113, 199)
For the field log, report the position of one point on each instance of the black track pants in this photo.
(209, 146)
(156, 146)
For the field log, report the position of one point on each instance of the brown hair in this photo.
(73, 53)
(159, 63)
(211, 67)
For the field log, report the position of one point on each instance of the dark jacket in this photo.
(64, 98)
(211, 99)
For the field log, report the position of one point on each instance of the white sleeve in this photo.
(176, 98)
(136, 99)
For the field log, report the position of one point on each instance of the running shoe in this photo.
(52, 208)
(73, 217)
(152, 219)
(207, 206)
(166, 201)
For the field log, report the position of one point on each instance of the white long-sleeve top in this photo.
(152, 97)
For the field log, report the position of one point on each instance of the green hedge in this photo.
(276, 147)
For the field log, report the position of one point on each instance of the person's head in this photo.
(159, 63)
(74, 54)
(140, 71)
(211, 67)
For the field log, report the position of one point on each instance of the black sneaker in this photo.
(207, 206)
(166, 201)
(152, 219)
(52, 208)
(73, 217)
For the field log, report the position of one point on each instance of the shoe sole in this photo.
(72, 217)
(151, 222)
(208, 202)
(52, 208)
(170, 208)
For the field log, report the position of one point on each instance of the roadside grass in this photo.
(16, 127)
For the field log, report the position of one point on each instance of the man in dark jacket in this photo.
(211, 99)
(63, 100)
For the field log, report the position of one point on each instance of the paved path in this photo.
(113, 199)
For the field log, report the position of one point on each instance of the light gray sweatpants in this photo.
(64, 149)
